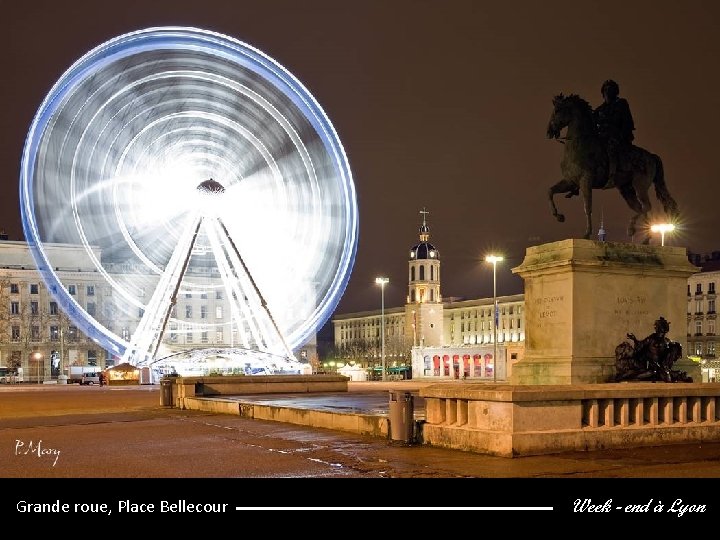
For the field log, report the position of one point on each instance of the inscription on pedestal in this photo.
(630, 309)
(547, 306)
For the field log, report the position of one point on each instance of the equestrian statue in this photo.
(599, 154)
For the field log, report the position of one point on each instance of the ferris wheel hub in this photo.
(211, 187)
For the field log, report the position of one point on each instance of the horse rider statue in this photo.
(615, 126)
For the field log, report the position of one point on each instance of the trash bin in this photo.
(166, 391)
(402, 417)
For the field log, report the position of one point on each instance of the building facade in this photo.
(38, 337)
(432, 336)
(702, 338)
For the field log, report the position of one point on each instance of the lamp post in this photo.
(662, 228)
(37, 357)
(494, 259)
(382, 281)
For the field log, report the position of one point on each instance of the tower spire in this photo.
(424, 229)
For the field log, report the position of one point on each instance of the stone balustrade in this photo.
(515, 420)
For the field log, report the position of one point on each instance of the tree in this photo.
(5, 324)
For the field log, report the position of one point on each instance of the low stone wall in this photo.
(363, 424)
(517, 420)
(191, 387)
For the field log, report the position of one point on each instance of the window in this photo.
(141, 312)
(698, 306)
(699, 348)
(218, 295)
(218, 312)
(188, 295)
(688, 289)
(203, 337)
(15, 336)
(92, 357)
(35, 333)
(53, 308)
(72, 333)
(711, 327)
(412, 274)
(125, 332)
(698, 288)
(422, 272)
(188, 312)
(15, 308)
(711, 348)
(711, 305)
(173, 337)
(219, 336)
(33, 288)
(711, 287)
(90, 290)
(91, 308)
(34, 308)
(189, 337)
(54, 333)
(203, 312)
(141, 293)
(203, 295)
(72, 290)
(698, 328)
(14, 288)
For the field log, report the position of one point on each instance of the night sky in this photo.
(439, 104)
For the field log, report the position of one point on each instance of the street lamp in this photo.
(494, 259)
(382, 281)
(662, 228)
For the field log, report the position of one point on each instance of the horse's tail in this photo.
(661, 190)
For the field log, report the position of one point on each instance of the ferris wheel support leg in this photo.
(285, 345)
(148, 335)
(173, 298)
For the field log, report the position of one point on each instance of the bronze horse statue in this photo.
(584, 167)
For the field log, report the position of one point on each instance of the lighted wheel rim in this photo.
(118, 147)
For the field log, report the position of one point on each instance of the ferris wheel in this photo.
(182, 162)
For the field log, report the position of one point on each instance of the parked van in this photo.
(76, 373)
(90, 378)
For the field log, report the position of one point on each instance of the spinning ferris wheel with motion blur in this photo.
(184, 163)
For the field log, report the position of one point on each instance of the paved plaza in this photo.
(125, 432)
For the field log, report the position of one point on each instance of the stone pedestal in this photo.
(581, 299)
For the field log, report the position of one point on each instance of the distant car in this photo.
(90, 378)
(7, 375)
